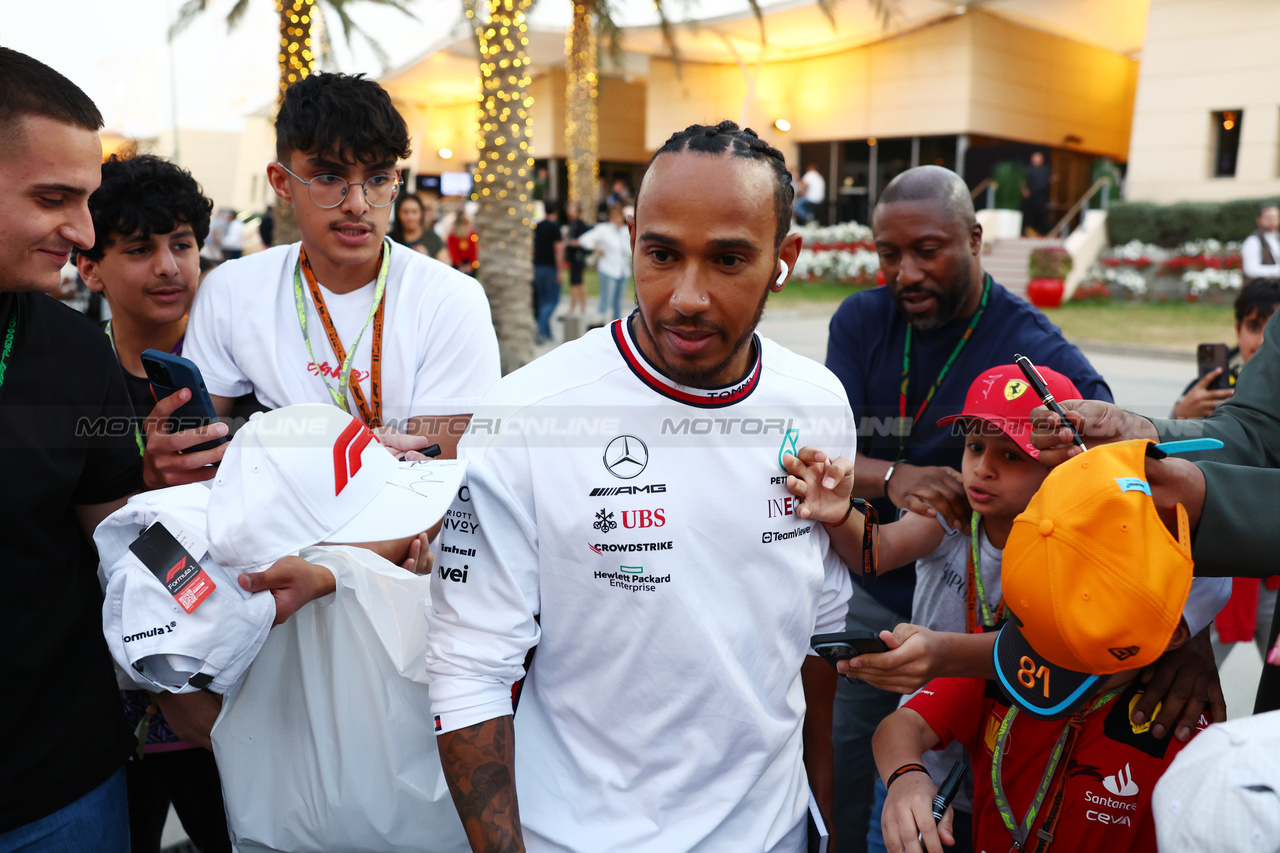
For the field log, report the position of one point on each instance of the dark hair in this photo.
(1264, 206)
(340, 114)
(1261, 295)
(551, 207)
(32, 88)
(148, 194)
(727, 137)
(396, 232)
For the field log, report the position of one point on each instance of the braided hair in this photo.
(727, 137)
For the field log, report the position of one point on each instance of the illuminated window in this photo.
(1226, 135)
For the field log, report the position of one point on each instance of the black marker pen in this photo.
(1042, 391)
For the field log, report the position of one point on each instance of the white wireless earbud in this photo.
(782, 276)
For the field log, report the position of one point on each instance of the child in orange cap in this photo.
(1095, 586)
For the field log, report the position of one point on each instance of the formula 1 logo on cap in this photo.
(346, 453)
(1014, 389)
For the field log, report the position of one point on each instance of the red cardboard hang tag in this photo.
(180, 573)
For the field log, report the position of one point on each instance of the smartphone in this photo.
(1209, 357)
(843, 645)
(168, 373)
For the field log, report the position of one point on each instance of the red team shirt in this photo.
(1111, 771)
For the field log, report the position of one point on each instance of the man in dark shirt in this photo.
(67, 465)
(906, 354)
(548, 256)
(1035, 194)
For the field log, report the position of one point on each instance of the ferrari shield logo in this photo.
(1014, 389)
(789, 446)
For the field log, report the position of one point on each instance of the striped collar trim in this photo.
(649, 374)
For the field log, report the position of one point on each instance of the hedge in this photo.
(1171, 225)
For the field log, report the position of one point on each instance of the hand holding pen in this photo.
(1036, 381)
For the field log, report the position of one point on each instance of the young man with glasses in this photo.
(345, 316)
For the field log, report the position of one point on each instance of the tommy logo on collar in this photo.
(346, 453)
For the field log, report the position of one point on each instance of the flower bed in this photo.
(843, 253)
(1198, 270)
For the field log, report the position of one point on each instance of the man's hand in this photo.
(294, 582)
(823, 484)
(1200, 401)
(908, 813)
(402, 444)
(1179, 686)
(1097, 423)
(931, 491)
(163, 464)
(1176, 481)
(191, 715)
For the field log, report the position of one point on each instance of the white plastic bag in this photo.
(329, 744)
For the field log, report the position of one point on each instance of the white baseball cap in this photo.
(1221, 794)
(155, 642)
(311, 473)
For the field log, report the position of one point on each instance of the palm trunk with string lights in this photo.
(297, 60)
(581, 130)
(504, 177)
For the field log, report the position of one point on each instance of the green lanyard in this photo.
(137, 433)
(1020, 832)
(903, 388)
(978, 595)
(10, 333)
(339, 394)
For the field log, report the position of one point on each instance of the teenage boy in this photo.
(345, 316)
(1095, 584)
(150, 221)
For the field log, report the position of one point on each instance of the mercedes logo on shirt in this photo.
(626, 457)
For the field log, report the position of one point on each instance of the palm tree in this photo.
(593, 19)
(504, 175)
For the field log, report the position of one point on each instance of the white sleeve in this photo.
(1207, 597)
(458, 362)
(208, 342)
(484, 592)
(589, 239)
(1251, 260)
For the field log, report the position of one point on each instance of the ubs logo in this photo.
(626, 457)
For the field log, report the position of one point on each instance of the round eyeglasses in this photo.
(329, 191)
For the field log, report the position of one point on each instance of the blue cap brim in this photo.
(1054, 692)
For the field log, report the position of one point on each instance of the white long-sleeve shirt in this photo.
(1251, 256)
(649, 528)
(613, 243)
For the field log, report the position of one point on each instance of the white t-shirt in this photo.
(233, 237)
(613, 242)
(1251, 256)
(439, 350)
(815, 186)
(650, 527)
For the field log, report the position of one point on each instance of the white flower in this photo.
(1201, 281)
(836, 264)
(844, 232)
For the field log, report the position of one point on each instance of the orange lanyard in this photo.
(371, 415)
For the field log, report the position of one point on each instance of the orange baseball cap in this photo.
(1094, 582)
(1002, 398)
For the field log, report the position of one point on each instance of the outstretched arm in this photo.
(902, 739)
(479, 765)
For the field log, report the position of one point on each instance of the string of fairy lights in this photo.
(296, 57)
(504, 174)
(581, 118)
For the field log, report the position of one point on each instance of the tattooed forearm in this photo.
(479, 765)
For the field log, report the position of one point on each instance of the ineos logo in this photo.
(626, 457)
